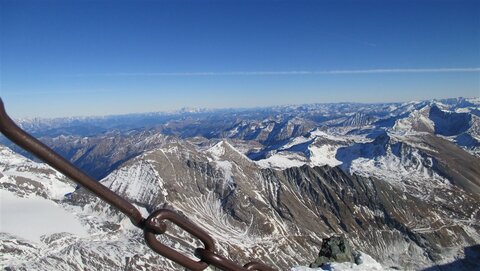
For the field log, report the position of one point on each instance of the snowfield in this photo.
(367, 264)
(33, 217)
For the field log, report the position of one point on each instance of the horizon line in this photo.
(212, 109)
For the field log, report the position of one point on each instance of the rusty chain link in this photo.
(152, 225)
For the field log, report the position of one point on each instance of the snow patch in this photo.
(367, 263)
(32, 217)
(282, 160)
(324, 155)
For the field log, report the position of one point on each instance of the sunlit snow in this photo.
(34, 216)
(368, 263)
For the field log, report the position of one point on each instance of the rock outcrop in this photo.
(334, 249)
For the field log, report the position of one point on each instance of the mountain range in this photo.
(400, 180)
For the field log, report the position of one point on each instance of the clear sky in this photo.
(64, 58)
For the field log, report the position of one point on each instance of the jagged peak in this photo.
(223, 150)
(417, 121)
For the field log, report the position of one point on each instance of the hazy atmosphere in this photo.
(66, 58)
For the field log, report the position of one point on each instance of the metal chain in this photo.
(152, 225)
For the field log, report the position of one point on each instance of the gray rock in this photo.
(334, 249)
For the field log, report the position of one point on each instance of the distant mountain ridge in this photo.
(99, 124)
(262, 130)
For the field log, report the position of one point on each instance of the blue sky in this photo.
(64, 58)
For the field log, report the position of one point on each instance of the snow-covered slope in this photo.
(418, 121)
(20, 213)
(457, 124)
(366, 263)
(41, 228)
(19, 172)
(316, 148)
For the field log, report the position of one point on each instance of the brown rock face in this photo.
(257, 213)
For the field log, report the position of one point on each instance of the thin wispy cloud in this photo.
(23, 92)
(294, 72)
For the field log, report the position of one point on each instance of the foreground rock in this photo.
(334, 249)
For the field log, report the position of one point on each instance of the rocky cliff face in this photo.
(267, 214)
